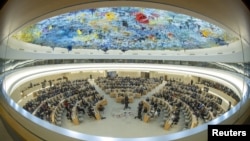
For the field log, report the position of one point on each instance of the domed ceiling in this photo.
(125, 28)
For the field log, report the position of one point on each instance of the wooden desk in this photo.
(194, 122)
(120, 98)
(74, 116)
(113, 94)
(97, 113)
(104, 102)
(52, 116)
(146, 105)
(146, 117)
(168, 124)
(56, 96)
(137, 95)
(37, 108)
(217, 92)
(131, 99)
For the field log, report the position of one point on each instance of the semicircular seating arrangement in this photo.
(73, 97)
(190, 103)
(171, 103)
(119, 87)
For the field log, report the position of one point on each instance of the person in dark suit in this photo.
(126, 101)
(91, 112)
(100, 108)
(139, 115)
(229, 105)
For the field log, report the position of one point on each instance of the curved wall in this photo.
(47, 131)
(232, 15)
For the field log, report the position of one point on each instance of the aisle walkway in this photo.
(119, 122)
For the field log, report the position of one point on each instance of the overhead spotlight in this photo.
(105, 49)
(53, 48)
(69, 48)
(124, 49)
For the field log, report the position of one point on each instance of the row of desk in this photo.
(146, 117)
(167, 124)
(75, 118)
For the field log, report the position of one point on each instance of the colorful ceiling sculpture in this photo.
(125, 28)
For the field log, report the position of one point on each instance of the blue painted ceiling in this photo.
(125, 28)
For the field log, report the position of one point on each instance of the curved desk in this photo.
(42, 127)
(100, 102)
(53, 114)
(74, 114)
